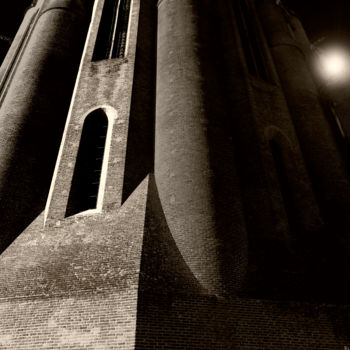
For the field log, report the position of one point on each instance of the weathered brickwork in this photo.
(80, 321)
(221, 216)
(66, 287)
(36, 83)
(106, 321)
(199, 322)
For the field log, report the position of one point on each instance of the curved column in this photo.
(13, 55)
(188, 138)
(322, 156)
(33, 111)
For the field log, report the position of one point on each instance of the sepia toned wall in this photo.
(220, 217)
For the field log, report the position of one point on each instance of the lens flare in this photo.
(334, 64)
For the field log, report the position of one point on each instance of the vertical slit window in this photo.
(88, 167)
(284, 184)
(249, 35)
(112, 32)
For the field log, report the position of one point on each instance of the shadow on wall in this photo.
(205, 322)
(174, 311)
(140, 146)
(215, 68)
(24, 194)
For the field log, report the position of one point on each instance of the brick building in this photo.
(199, 191)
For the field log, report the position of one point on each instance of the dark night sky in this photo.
(320, 17)
(328, 20)
(323, 17)
(11, 15)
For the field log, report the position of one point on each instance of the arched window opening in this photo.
(284, 183)
(88, 167)
(251, 44)
(112, 32)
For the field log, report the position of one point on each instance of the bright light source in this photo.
(334, 64)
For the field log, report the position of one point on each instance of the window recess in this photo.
(112, 33)
(251, 40)
(88, 167)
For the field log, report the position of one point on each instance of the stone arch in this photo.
(87, 182)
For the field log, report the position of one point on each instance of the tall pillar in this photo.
(35, 100)
(193, 154)
(322, 157)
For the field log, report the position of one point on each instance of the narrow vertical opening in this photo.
(112, 32)
(284, 184)
(119, 45)
(105, 31)
(87, 173)
(249, 35)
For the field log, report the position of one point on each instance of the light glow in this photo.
(334, 64)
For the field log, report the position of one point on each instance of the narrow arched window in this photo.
(112, 32)
(88, 167)
(253, 50)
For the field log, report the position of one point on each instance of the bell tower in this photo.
(188, 206)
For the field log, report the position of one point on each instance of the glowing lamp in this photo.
(334, 64)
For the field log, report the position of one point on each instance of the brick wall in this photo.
(83, 321)
(203, 322)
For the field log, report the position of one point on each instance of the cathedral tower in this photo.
(192, 205)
